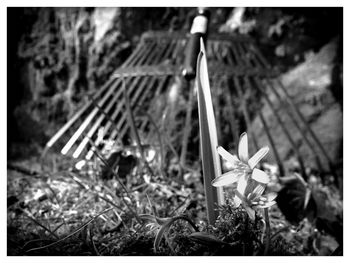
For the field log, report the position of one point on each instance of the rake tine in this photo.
(285, 130)
(156, 94)
(122, 120)
(75, 117)
(119, 107)
(95, 126)
(116, 112)
(245, 54)
(164, 53)
(111, 121)
(231, 56)
(295, 122)
(238, 87)
(180, 44)
(87, 121)
(272, 143)
(145, 56)
(141, 55)
(260, 57)
(302, 118)
(135, 55)
(238, 55)
(255, 58)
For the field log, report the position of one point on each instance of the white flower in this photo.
(252, 197)
(251, 182)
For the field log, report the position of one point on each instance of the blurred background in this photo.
(59, 56)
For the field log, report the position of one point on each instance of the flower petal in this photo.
(257, 157)
(271, 196)
(242, 184)
(243, 148)
(268, 204)
(228, 157)
(227, 178)
(237, 201)
(260, 176)
(257, 192)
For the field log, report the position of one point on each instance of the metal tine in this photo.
(236, 54)
(302, 118)
(214, 50)
(295, 122)
(245, 55)
(296, 110)
(149, 56)
(97, 123)
(272, 143)
(122, 119)
(255, 57)
(260, 57)
(246, 48)
(164, 53)
(224, 54)
(144, 55)
(159, 55)
(76, 116)
(109, 106)
(159, 88)
(230, 58)
(222, 49)
(180, 44)
(133, 85)
(284, 128)
(135, 54)
(172, 52)
(77, 134)
(144, 95)
(87, 121)
(239, 90)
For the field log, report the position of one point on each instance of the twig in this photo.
(73, 233)
(133, 128)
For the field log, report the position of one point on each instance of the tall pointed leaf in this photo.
(208, 136)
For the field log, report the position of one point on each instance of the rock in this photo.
(309, 84)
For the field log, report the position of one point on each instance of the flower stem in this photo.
(268, 230)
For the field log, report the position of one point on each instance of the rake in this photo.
(238, 70)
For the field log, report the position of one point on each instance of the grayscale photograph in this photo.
(174, 131)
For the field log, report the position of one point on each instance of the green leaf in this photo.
(208, 136)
